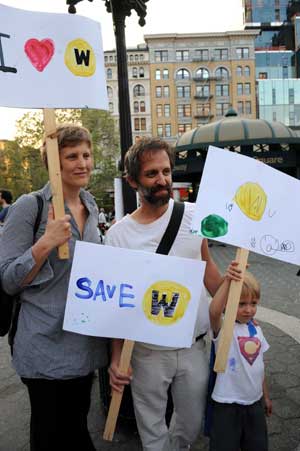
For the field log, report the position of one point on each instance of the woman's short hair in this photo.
(68, 135)
(135, 153)
(250, 287)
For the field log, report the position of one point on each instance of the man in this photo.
(5, 202)
(148, 166)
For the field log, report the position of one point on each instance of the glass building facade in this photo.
(275, 64)
(265, 11)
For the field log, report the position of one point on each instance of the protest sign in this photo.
(50, 61)
(134, 295)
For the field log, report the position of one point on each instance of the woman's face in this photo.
(76, 165)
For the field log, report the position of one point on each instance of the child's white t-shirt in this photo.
(244, 375)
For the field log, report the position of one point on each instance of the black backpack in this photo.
(9, 304)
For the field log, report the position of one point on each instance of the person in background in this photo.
(102, 224)
(5, 202)
(56, 366)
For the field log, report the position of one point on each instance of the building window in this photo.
(138, 91)
(292, 118)
(143, 123)
(221, 109)
(135, 107)
(240, 107)
(182, 74)
(131, 58)
(136, 124)
(106, 59)
(141, 57)
(202, 91)
(263, 75)
(161, 55)
(158, 91)
(142, 107)
(184, 91)
(168, 130)
(274, 116)
(182, 128)
(222, 90)
(141, 72)
(184, 111)
(159, 110)
(134, 72)
(273, 96)
(285, 72)
(239, 71)
(247, 89)
(109, 74)
(160, 131)
(222, 73)
(182, 55)
(291, 96)
(203, 109)
(248, 107)
(111, 58)
(166, 91)
(201, 55)
(239, 89)
(111, 107)
(202, 73)
(247, 71)
(157, 74)
(139, 124)
(242, 53)
(167, 110)
(109, 92)
(221, 54)
(166, 74)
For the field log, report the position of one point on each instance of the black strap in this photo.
(38, 218)
(172, 229)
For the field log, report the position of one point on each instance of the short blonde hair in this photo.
(68, 135)
(251, 287)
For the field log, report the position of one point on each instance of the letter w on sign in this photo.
(82, 57)
(168, 309)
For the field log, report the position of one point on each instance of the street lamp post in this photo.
(120, 9)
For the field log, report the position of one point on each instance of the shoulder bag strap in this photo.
(172, 229)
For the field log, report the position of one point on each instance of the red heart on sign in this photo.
(39, 52)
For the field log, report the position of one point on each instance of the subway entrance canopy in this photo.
(271, 142)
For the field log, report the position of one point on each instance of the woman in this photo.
(56, 366)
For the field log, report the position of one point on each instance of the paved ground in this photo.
(280, 292)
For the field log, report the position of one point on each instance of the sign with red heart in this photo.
(39, 52)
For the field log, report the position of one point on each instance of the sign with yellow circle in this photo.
(80, 58)
(165, 302)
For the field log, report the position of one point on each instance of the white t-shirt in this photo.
(244, 375)
(130, 234)
(101, 218)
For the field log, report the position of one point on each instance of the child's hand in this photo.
(232, 272)
(268, 406)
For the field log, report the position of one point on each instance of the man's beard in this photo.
(149, 194)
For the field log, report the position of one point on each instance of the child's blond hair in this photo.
(251, 287)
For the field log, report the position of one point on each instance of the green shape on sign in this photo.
(213, 226)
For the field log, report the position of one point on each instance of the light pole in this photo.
(120, 9)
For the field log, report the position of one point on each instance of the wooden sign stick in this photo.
(230, 314)
(54, 173)
(116, 399)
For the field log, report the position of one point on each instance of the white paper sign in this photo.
(244, 202)
(136, 295)
(50, 61)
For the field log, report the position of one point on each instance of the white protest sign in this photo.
(136, 295)
(244, 202)
(50, 61)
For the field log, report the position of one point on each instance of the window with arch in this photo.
(239, 71)
(247, 71)
(202, 73)
(109, 74)
(138, 90)
(223, 73)
(131, 58)
(182, 74)
(134, 72)
(111, 107)
(141, 72)
(109, 92)
(136, 57)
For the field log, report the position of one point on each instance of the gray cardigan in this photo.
(41, 348)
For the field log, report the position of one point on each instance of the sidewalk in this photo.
(280, 292)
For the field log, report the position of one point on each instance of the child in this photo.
(238, 422)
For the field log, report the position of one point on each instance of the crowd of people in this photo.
(57, 366)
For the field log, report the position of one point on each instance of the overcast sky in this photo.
(163, 16)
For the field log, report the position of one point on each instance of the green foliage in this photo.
(21, 168)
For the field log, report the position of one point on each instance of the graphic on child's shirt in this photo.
(249, 347)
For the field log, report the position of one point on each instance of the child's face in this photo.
(246, 309)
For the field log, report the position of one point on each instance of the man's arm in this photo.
(212, 276)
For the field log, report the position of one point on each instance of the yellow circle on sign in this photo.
(165, 302)
(252, 200)
(80, 58)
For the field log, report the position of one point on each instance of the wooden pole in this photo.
(116, 399)
(230, 314)
(54, 173)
